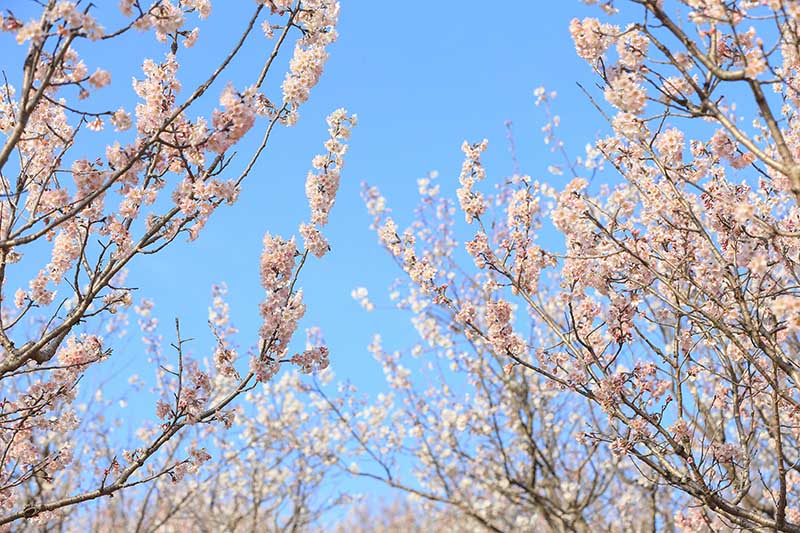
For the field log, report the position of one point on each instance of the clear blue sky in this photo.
(422, 77)
(421, 80)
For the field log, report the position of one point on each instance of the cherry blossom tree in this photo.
(272, 472)
(638, 372)
(71, 225)
(473, 443)
(655, 343)
(396, 515)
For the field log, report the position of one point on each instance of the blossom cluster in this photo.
(318, 19)
(322, 185)
(472, 201)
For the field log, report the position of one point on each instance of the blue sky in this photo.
(421, 81)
